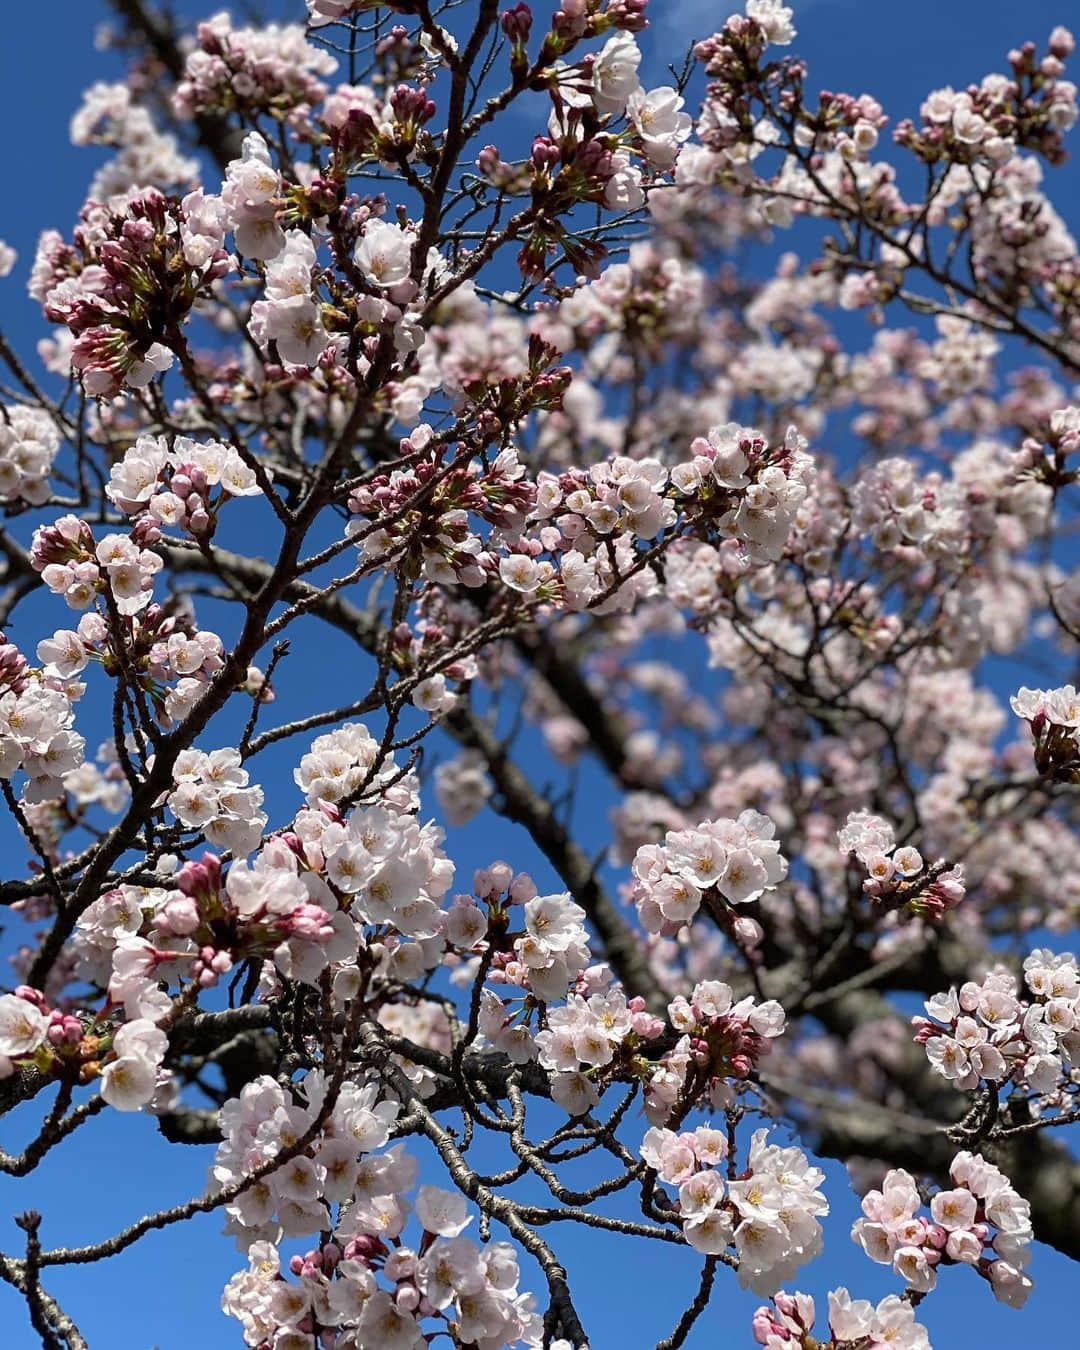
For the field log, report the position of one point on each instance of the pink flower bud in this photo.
(407, 1297)
(517, 23)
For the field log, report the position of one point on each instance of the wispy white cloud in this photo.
(691, 17)
(674, 24)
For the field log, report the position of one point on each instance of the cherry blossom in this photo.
(507, 574)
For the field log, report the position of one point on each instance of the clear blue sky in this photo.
(164, 1292)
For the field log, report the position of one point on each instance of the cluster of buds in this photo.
(421, 515)
(732, 61)
(409, 109)
(575, 168)
(576, 19)
(846, 124)
(34, 1035)
(143, 289)
(413, 652)
(500, 401)
(13, 668)
(270, 70)
(361, 127)
(989, 121)
(352, 118)
(720, 1040)
(516, 23)
(222, 920)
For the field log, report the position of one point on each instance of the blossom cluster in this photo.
(762, 134)
(338, 1181)
(110, 116)
(202, 921)
(211, 793)
(162, 647)
(554, 948)
(1054, 718)
(721, 1040)
(270, 908)
(769, 1213)
(583, 528)
(897, 508)
(985, 1032)
(590, 1032)
(462, 786)
(133, 1076)
(1030, 107)
(720, 863)
(733, 484)
(614, 90)
(898, 876)
(293, 1200)
(36, 721)
(29, 442)
(390, 870)
(429, 503)
(339, 764)
(288, 316)
(653, 295)
(981, 1222)
(175, 484)
(313, 897)
(127, 1058)
(581, 1038)
(546, 957)
(336, 1296)
(852, 1322)
(271, 69)
(73, 565)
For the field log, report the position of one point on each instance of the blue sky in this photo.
(164, 1291)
